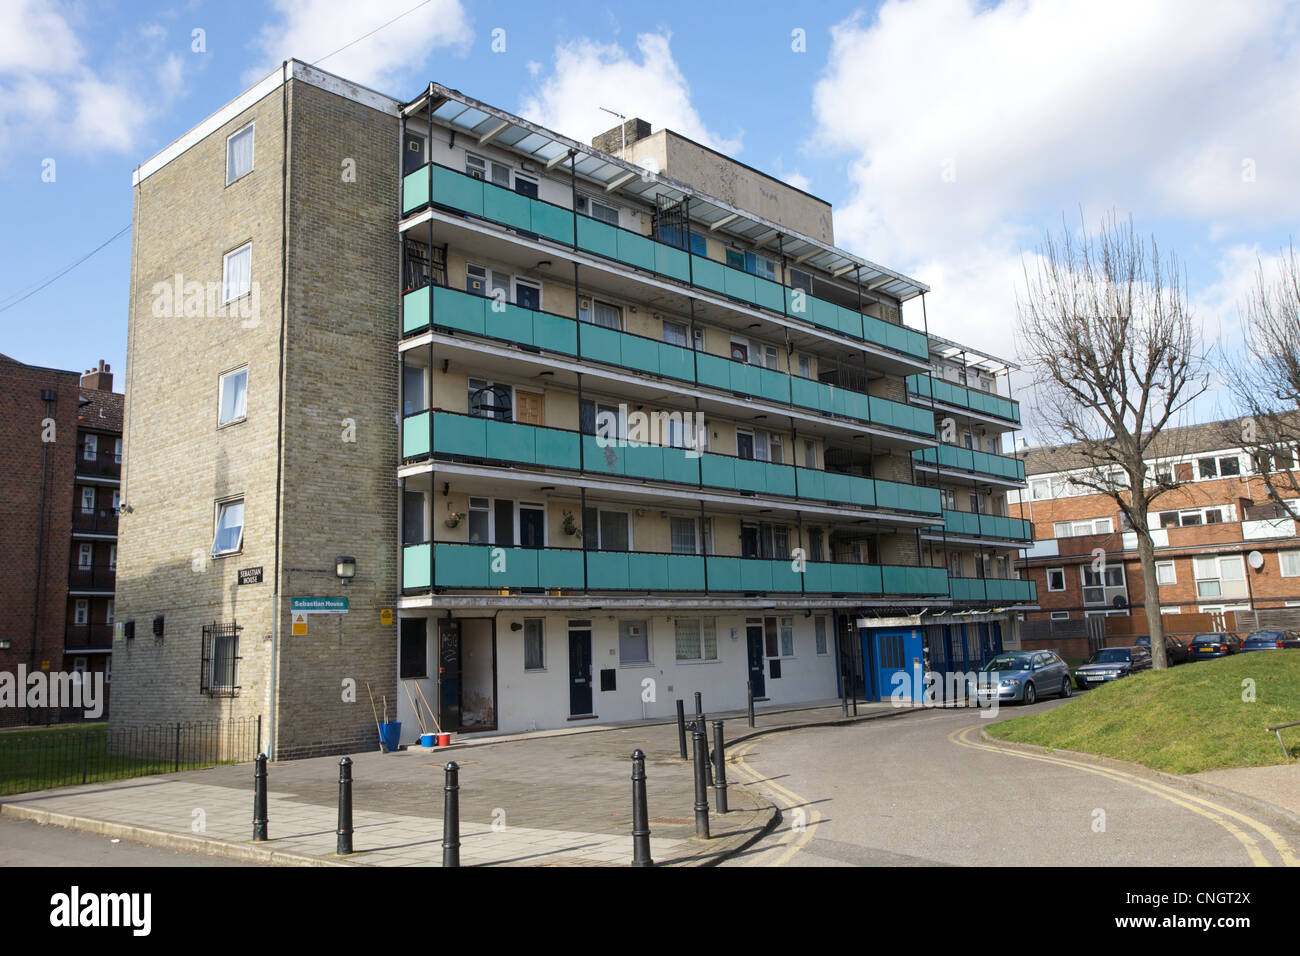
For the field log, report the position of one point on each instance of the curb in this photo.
(1214, 789)
(756, 813)
(161, 839)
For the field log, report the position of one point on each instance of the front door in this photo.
(413, 154)
(449, 684)
(532, 526)
(528, 408)
(580, 673)
(754, 641)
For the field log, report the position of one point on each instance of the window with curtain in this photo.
(683, 536)
(229, 535)
(237, 273)
(239, 154)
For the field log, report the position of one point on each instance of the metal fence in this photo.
(91, 753)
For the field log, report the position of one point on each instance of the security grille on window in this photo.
(220, 666)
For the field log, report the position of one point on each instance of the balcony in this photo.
(95, 577)
(88, 637)
(967, 524)
(98, 464)
(974, 462)
(969, 398)
(100, 521)
(470, 566)
(465, 312)
(474, 197)
(468, 436)
(997, 590)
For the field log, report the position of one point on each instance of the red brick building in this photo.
(1222, 544)
(60, 462)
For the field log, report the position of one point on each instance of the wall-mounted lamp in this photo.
(345, 567)
(516, 626)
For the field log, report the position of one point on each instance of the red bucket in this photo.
(444, 740)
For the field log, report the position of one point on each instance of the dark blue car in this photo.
(1270, 641)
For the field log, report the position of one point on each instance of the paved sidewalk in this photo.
(543, 799)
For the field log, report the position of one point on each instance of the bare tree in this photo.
(1115, 356)
(1264, 379)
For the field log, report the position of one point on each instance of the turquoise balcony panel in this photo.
(608, 459)
(458, 191)
(672, 262)
(965, 459)
(601, 344)
(913, 580)
(415, 190)
(552, 222)
(416, 565)
(972, 525)
(415, 435)
(900, 496)
(555, 333)
(598, 237)
(554, 448)
(637, 251)
(769, 294)
(961, 523)
(738, 285)
(966, 589)
(608, 570)
(685, 572)
(508, 208)
(962, 397)
(415, 310)
(513, 323)
(460, 435)
(709, 274)
(724, 574)
(460, 310)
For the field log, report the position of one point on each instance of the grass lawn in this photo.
(67, 754)
(1182, 720)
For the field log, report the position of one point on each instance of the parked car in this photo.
(1208, 646)
(1112, 663)
(1024, 676)
(1175, 649)
(1270, 640)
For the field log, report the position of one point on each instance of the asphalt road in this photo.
(924, 790)
(30, 844)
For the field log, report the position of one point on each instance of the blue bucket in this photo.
(428, 740)
(390, 735)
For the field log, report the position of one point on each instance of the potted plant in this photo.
(454, 518)
(570, 526)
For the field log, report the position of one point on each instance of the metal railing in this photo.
(102, 462)
(92, 753)
(93, 577)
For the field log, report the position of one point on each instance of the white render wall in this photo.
(539, 700)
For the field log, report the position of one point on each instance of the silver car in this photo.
(1024, 676)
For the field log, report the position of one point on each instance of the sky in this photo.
(947, 134)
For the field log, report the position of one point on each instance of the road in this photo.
(30, 844)
(925, 790)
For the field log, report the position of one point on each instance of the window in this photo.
(815, 545)
(801, 280)
(1165, 573)
(85, 556)
(110, 611)
(239, 154)
(91, 450)
(1224, 466)
(489, 400)
(528, 294)
(674, 333)
(787, 637)
(1056, 579)
(598, 210)
(1040, 488)
(948, 499)
(805, 366)
(117, 452)
(220, 663)
(606, 530)
(412, 389)
(413, 518)
(1290, 563)
(413, 653)
(229, 536)
(1223, 576)
(819, 635)
(237, 273)
(633, 642)
(683, 536)
(486, 169)
(697, 639)
(87, 501)
(480, 517)
(1067, 529)
(232, 399)
(534, 659)
(81, 612)
(760, 266)
(112, 557)
(1102, 587)
(809, 453)
(600, 313)
(1060, 615)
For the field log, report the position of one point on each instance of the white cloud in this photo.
(994, 120)
(797, 180)
(588, 75)
(311, 30)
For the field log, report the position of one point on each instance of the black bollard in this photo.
(703, 728)
(345, 806)
(640, 815)
(701, 782)
(681, 728)
(749, 685)
(844, 694)
(720, 776)
(259, 798)
(451, 816)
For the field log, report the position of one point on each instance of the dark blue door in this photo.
(754, 642)
(580, 673)
(449, 675)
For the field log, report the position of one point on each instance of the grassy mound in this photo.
(1184, 720)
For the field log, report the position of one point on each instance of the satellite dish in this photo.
(1120, 601)
(1255, 560)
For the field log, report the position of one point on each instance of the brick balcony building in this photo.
(59, 466)
(1222, 544)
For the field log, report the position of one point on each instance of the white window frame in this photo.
(110, 611)
(85, 556)
(249, 129)
(221, 396)
(81, 612)
(649, 642)
(1281, 564)
(1104, 585)
(226, 296)
(1050, 572)
(700, 630)
(219, 507)
(90, 448)
(592, 203)
(1060, 615)
(112, 557)
(87, 493)
(1173, 573)
(518, 281)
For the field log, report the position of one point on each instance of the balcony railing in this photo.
(88, 637)
(1002, 590)
(95, 577)
(101, 463)
(465, 194)
(967, 524)
(466, 312)
(468, 436)
(100, 521)
(971, 398)
(472, 566)
(976, 462)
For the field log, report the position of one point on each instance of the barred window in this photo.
(219, 671)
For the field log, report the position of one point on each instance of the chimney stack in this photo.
(613, 140)
(100, 378)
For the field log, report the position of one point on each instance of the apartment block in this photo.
(58, 546)
(535, 430)
(1222, 542)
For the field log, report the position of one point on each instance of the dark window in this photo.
(415, 648)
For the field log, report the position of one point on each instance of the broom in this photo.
(428, 708)
(383, 748)
(419, 718)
